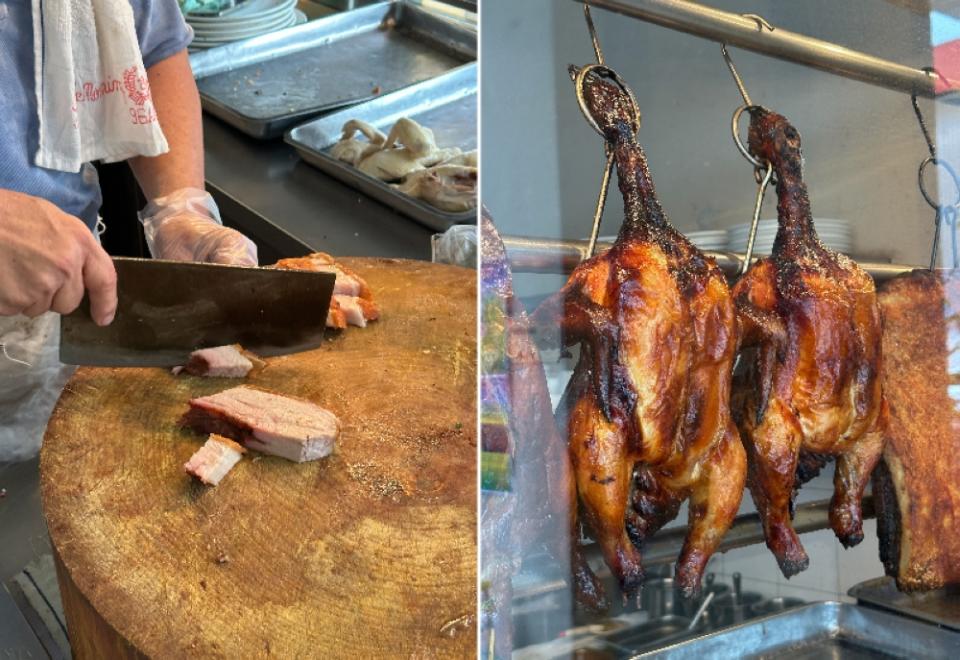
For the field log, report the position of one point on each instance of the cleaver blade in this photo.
(168, 309)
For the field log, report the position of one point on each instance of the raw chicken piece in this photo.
(351, 150)
(467, 158)
(282, 426)
(221, 362)
(416, 139)
(409, 148)
(390, 164)
(450, 188)
(214, 459)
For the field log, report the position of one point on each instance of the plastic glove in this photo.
(186, 226)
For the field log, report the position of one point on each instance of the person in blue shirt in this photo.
(49, 252)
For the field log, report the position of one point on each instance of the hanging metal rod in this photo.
(750, 33)
(665, 545)
(544, 255)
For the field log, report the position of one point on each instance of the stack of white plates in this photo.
(249, 19)
(709, 239)
(714, 240)
(835, 234)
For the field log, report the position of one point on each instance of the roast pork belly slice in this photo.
(214, 459)
(221, 362)
(282, 426)
(348, 283)
(357, 311)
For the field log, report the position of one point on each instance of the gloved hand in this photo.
(186, 226)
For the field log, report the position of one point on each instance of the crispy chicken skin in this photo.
(647, 409)
(811, 329)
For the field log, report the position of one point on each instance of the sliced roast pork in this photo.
(214, 459)
(221, 362)
(352, 302)
(282, 426)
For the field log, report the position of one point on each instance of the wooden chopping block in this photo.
(370, 552)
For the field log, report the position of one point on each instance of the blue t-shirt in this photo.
(161, 32)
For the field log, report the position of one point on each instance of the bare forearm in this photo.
(177, 103)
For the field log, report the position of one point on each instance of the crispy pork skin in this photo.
(214, 459)
(916, 488)
(282, 426)
(221, 362)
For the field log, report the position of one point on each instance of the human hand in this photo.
(185, 226)
(48, 258)
(191, 237)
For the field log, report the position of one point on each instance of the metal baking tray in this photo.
(940, 606)
(266, 84)
(821, 630)
(446, 104)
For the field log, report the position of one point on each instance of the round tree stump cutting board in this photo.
(370, 552)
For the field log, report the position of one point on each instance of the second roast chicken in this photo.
(647, 410)
(811, 391)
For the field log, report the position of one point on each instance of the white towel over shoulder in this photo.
(93, 98)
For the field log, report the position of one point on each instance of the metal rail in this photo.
(749, 33)
(544, 255)
(664, 547)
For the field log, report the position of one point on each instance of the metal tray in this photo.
(447, 105)
(940, 606)
(268, 83)
(821, 630)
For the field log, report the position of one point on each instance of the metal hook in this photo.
(735, 128)
(593, 32)
(736, 76)
(601, 202)
(760, 21)
(923, 126)
(761, 190)
(947, 212)
(605, 72)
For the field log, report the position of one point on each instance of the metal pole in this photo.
(745, 32)
(665, 545)
(544, 255)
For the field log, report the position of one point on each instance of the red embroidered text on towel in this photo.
(93, 96)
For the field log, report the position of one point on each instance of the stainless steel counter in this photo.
(289, 208)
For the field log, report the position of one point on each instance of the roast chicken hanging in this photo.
(647, 410)
(811, 390)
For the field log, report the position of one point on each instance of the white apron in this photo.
(28, 394)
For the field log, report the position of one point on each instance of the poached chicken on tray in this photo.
(811, 391)
(647, 409)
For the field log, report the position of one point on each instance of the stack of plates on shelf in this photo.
(711, 240)
(835, 234)
(248, 19)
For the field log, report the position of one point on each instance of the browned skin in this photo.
(655, 322)
(812, 389)
(916, 488)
